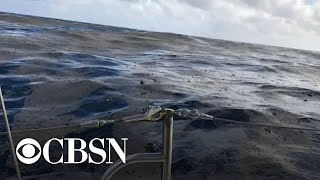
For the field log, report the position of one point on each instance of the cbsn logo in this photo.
(29, 155)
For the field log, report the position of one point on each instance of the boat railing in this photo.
(153, 113)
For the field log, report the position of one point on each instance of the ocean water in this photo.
(56, 72)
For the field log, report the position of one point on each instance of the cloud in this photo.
(290, 23)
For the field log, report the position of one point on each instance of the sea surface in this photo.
(59, 73)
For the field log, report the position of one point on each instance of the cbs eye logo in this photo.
(27, 150)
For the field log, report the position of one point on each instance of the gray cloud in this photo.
(292, 23)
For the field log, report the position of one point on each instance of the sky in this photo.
(287, 23)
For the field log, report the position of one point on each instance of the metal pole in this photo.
(132, 159)
(5, 117)
(165, 157)
(167, 144)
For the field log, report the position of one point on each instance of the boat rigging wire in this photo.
(153, 113)
(184, 113)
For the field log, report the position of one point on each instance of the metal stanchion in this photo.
(165, 157)
(167, 144)
(5, 117)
